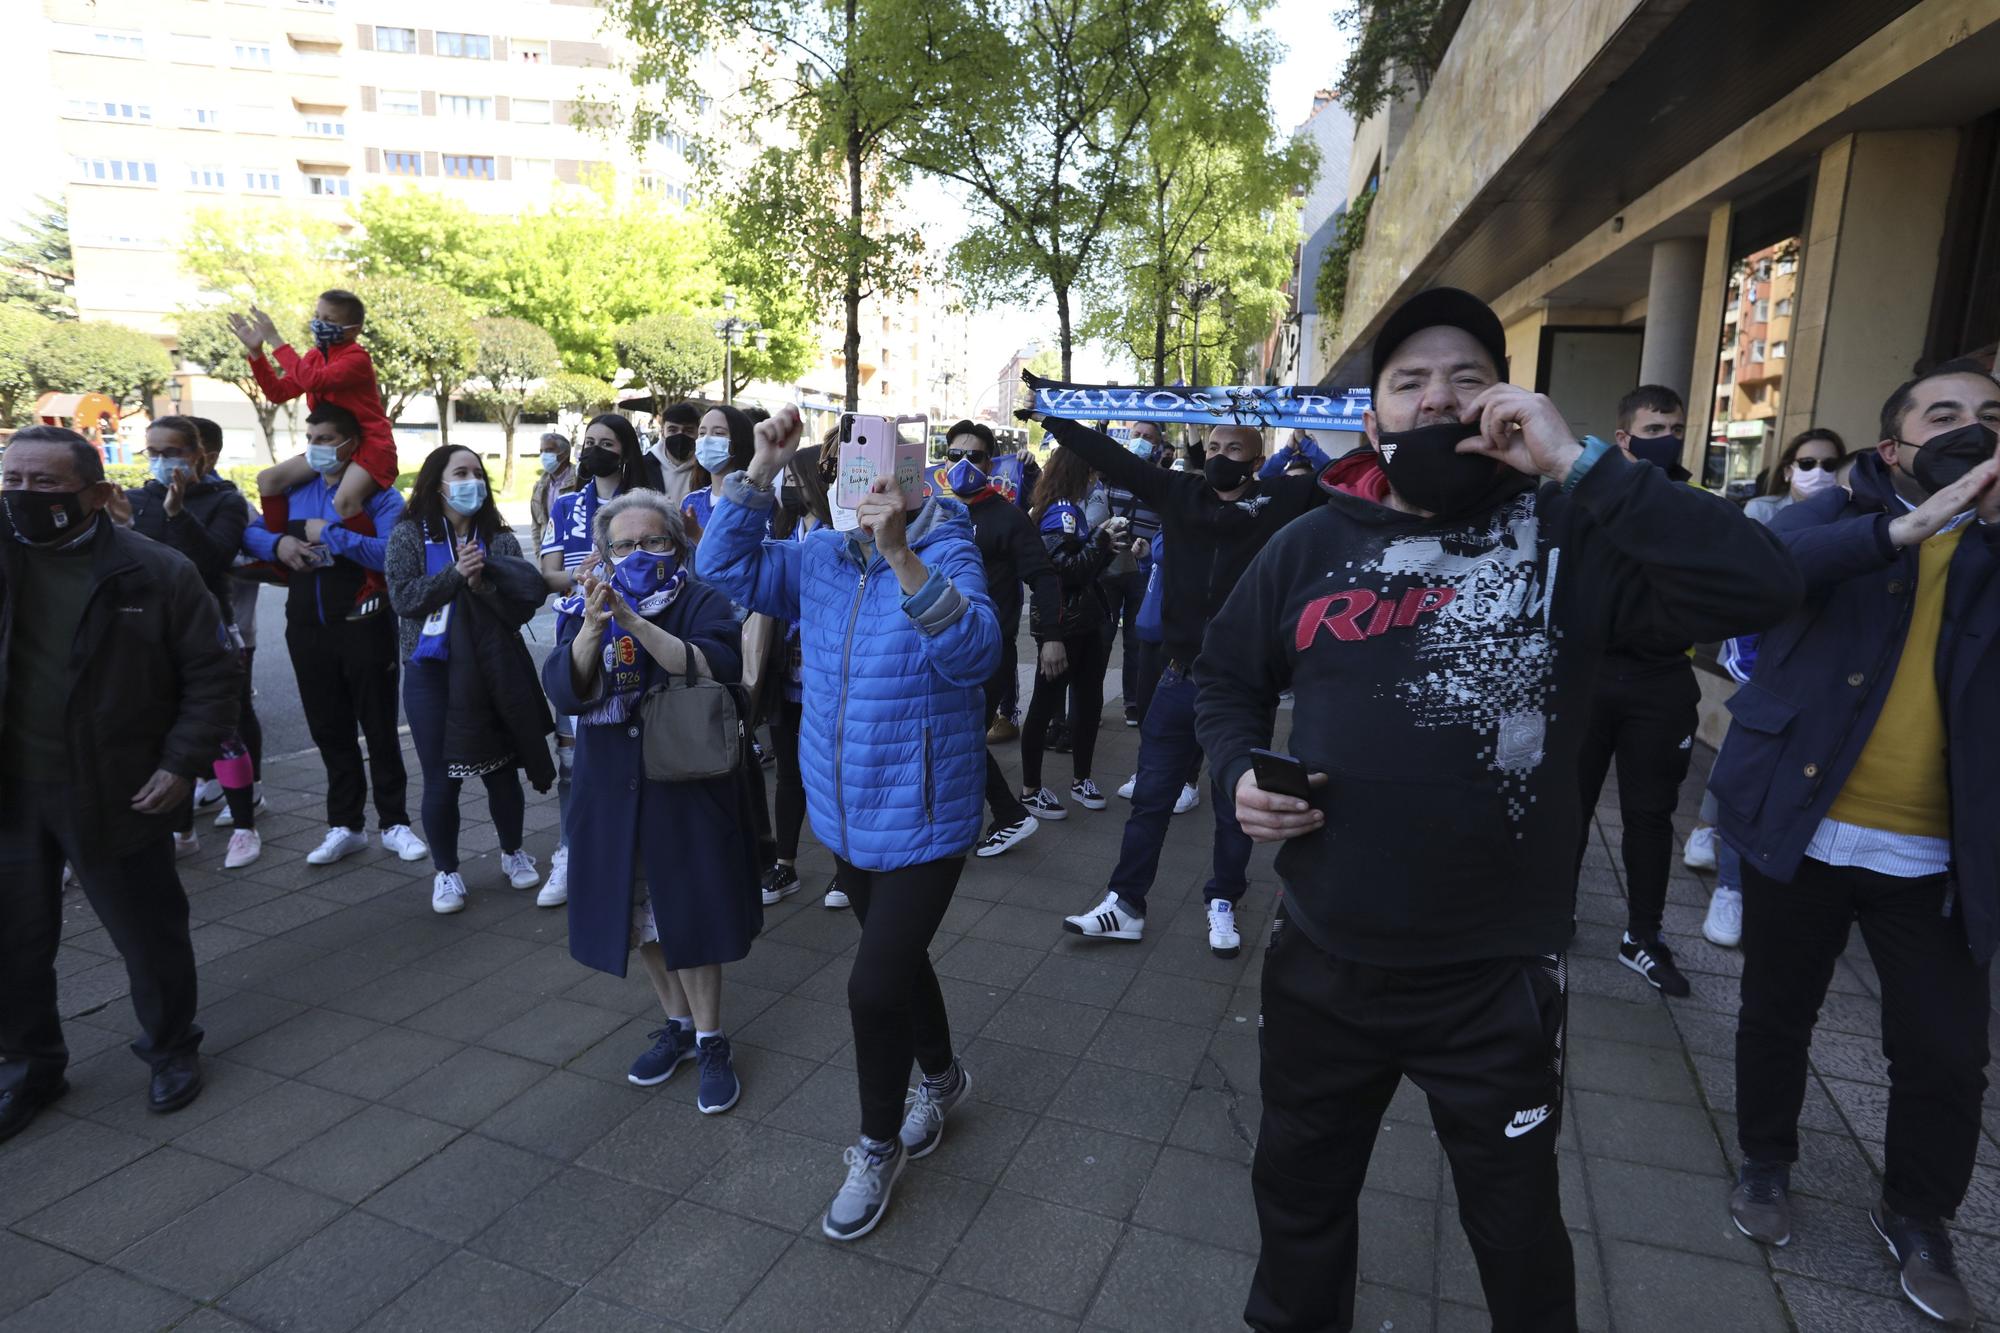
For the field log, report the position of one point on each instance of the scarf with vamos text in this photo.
(1304, 407)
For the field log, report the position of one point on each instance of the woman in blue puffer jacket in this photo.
(897, 638)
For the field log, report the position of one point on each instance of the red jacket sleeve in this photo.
(324, 377)
(276, 389)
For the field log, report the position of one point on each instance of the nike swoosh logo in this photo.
(1516, 1128)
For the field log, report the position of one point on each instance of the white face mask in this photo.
(1812, 483)
(845, 519)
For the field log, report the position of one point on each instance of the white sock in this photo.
(686, 1021)
(700, 1037)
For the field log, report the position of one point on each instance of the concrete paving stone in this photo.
(363, 1153)
(216, 1245)
(1641, 1022)
(478, 955)
(969, 1004)
(1200, 1197)
(1717, 1075)
(629, 994)
(336, 1278)
(1098, 981)
(266, 1126)
(112, 1075)
(1058, 1026)
(1846, 1056)
(1704, 1032)
(584, 1313)
(1020, 1077)
(100, 1301)
(1864, 1106)
(458, 1193)
(1980, 1209)
(30, 1270)
(131, 1203)
(562, 1116)
(1219, 1123)
(781, 1179)
(1035, 1252)
(327, 978)
(1187, 955)
(346, 927)
(396, 994)
(1054, 896)
(91, 1035)
(1631, 1071)
(282, 914)
(1143, 1106)
(926, 1221)
(950, 1309)
(225, 1085)
(1181, 999)
(572, 1225)
(1148, 1045)
(206, 1320)
(826, 1106)
(1836, 1243)
(1655, 1133)
(667, 1145)
(415, 940)
(469, 1014)
(802, 1028)
(832, 932)
(1081, 1167)
(828, 985)
(1013, 923)
(768, 1079)
(544, 925)
(1856, 1014)
(297, 1044)
(818, 1288)
(775, 966)
(548, 970)
(1649, 1203)
(212, 940)
(1388, 1309)
(252, 966)
(1656, 1290)
(965, 910)
(694, 1266)
(476, 1295)
(989, 962)
(1829, 1308)
(36, 1169)
(610, 1059)
(85, 991)
(380, 1063)
(554, 1031)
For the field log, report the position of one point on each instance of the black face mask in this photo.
(44, 516)
(597, 462)
(1944, 459)
(1662, 451)
(1225, 473)
(680, 448)
(1425, 469)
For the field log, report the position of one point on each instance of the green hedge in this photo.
(242, 476)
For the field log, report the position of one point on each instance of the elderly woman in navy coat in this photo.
(667, 867)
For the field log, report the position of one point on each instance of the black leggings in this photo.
(1085, 682)
(892, 994)
(791, 795)
(424, 698)
(247, 725)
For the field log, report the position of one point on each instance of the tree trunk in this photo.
(267, 421)
(851, 295)
(292, 422)
(443, 399)
(508, 418)
(1063, 330)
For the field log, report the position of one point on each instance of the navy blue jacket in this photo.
(1822, 677)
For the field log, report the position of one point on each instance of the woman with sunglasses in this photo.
(1809, 465)
(462, 591)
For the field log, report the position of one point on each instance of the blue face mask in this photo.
(643, 573)
(966, 478)
(322, 458)
(166, 469)
(1143, 447)
(466, 496)
(712, 452)
(549, 461)
(326, 333)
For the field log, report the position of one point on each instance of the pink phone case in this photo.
(872, 447)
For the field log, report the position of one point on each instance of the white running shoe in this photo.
(835, 900)
(227, 819)
(447, 893)
(555, 889)
(1190, 798)
(1044, 804)
(186, 844)
(244, 847)
(399, 839)
(1087, 794)
(519, 867)
(339, 842)
(1107, 921)
(207, 792)
(999, 840)
(1724, 924)
(1223, 941)
(1699, 854)
(1131, 785)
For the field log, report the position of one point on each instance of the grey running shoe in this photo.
(1930, 1271)
(1761, 1204)
(871, 1176)
(923, 1118)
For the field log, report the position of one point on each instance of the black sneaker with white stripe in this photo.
(1652, 960)
(1005, 836)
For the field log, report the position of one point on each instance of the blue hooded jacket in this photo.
(892, 743)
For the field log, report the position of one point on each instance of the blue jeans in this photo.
(1167, 750)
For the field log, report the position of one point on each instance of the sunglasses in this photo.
(1812, 464)
(979, 457)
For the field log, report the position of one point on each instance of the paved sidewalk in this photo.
(416, 1122)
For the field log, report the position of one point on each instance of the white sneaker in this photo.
(1724, 924)
(1699, 854)
(339, 842)
(1003, 836)
(244, 847)
(1190, 798)
(1044, 804)
(447, 893)
(834, 901)
(398, 839)
(186, 845)
(225, 819)
(555, 889)
(519, 867)
(207, 792)
(1131, 785)
(1223, 941)
(1107, 921)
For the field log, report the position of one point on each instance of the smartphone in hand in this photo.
(876, 446)
(1280, 774)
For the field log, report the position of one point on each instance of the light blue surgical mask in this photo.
(549, 461)
(322, 458)
(712, 452)
(166, 469)
(465, 496)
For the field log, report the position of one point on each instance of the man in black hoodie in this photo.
(1439, 621)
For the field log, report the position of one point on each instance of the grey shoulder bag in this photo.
(693, 729)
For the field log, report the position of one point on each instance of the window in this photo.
(251, 55)
(137, 113)
(1784, 307)
(463, 167)
(189, 49)
(465, 45)
(126, 45)
(529, 111)
(534, 170)
(318, 183)
(1756, 349)
(1778, 350)
(530, 53)
(260, 182)
(466, 108)
(1788, 265)
(1763, 268)
(401, 41)
(1764, 311)
(117, 171)
(400, 102)
(207, 178)
(396, 163)
(321, 127)
(202, 118)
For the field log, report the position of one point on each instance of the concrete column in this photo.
(1673, 309)
(1714, 294)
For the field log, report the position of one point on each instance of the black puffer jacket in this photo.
(1080, 558)
(208, 530)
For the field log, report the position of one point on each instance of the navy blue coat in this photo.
(699, 855)
(1822, 677)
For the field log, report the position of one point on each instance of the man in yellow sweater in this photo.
(1858, 785)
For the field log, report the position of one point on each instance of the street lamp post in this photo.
(732, 330)
(1197, 290)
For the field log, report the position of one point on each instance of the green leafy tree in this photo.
(277, 258)
(412, 233)
(566, 391)
(20, 331)
(93, 356)
(514, 356)
(1396, 47)
(771, 295)
(205, 340)
(421, 342)
(37, 270)
(672, 355)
